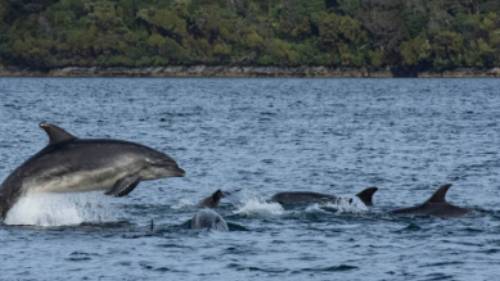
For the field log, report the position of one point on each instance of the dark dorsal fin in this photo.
(440, 195)
(367, 195)
(56, 134)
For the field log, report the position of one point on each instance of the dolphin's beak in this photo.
(179, 172)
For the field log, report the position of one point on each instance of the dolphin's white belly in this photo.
(102, 178)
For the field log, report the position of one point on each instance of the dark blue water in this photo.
(262, 136)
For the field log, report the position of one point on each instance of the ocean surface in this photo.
(253, 138)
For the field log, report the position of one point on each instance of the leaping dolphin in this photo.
(306, 197)
(435, 206)
(70, 164)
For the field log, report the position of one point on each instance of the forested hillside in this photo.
(405, 35)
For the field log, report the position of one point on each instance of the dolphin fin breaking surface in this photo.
(366, 195)
(436, 206)
(440, 195)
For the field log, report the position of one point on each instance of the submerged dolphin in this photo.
(208, 219)
(70, 164)
(435, 206)
(305, 197)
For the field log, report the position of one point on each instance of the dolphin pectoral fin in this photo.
(56, 134)
(129, 189)
(367, 195)
(440, 195)
(123, 186)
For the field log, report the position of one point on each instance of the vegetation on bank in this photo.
(407, 36)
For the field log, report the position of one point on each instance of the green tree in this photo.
(447, 47)
(415, 51)
(410, 35)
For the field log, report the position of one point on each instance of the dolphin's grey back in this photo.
(436, 205)
(302, 198)
(445, 210)
(75, 156)
(307, 197)
(208, 219)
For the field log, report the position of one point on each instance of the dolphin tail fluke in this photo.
(440, 195)
(367, 195)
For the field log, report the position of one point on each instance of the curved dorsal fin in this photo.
(56, 134)
(440, 195)
(366, 195)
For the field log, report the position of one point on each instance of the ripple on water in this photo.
(149, 266)
(242, 267)
(80, 256)
(333, 268)
(442, 264)
(437, 277)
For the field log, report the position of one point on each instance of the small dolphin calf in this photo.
(208, 219)
(70, 164)
(435, 206)
(305, 198)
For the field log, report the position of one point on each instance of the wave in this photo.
(184, 203)
(346, 205)
(257, 207)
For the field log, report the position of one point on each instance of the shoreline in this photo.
(241, 72)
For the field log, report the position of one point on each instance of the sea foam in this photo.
(58, 209)
(256, 207)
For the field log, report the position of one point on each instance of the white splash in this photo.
(184, 203)
(316, 208)
(57, 209)
(255, 207)
(347, 205)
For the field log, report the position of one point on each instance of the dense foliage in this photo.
(406, 35)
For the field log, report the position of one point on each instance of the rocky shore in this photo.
(237, 71)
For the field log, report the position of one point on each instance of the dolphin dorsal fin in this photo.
(366, 195)
(56, 134)
(440, 195)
